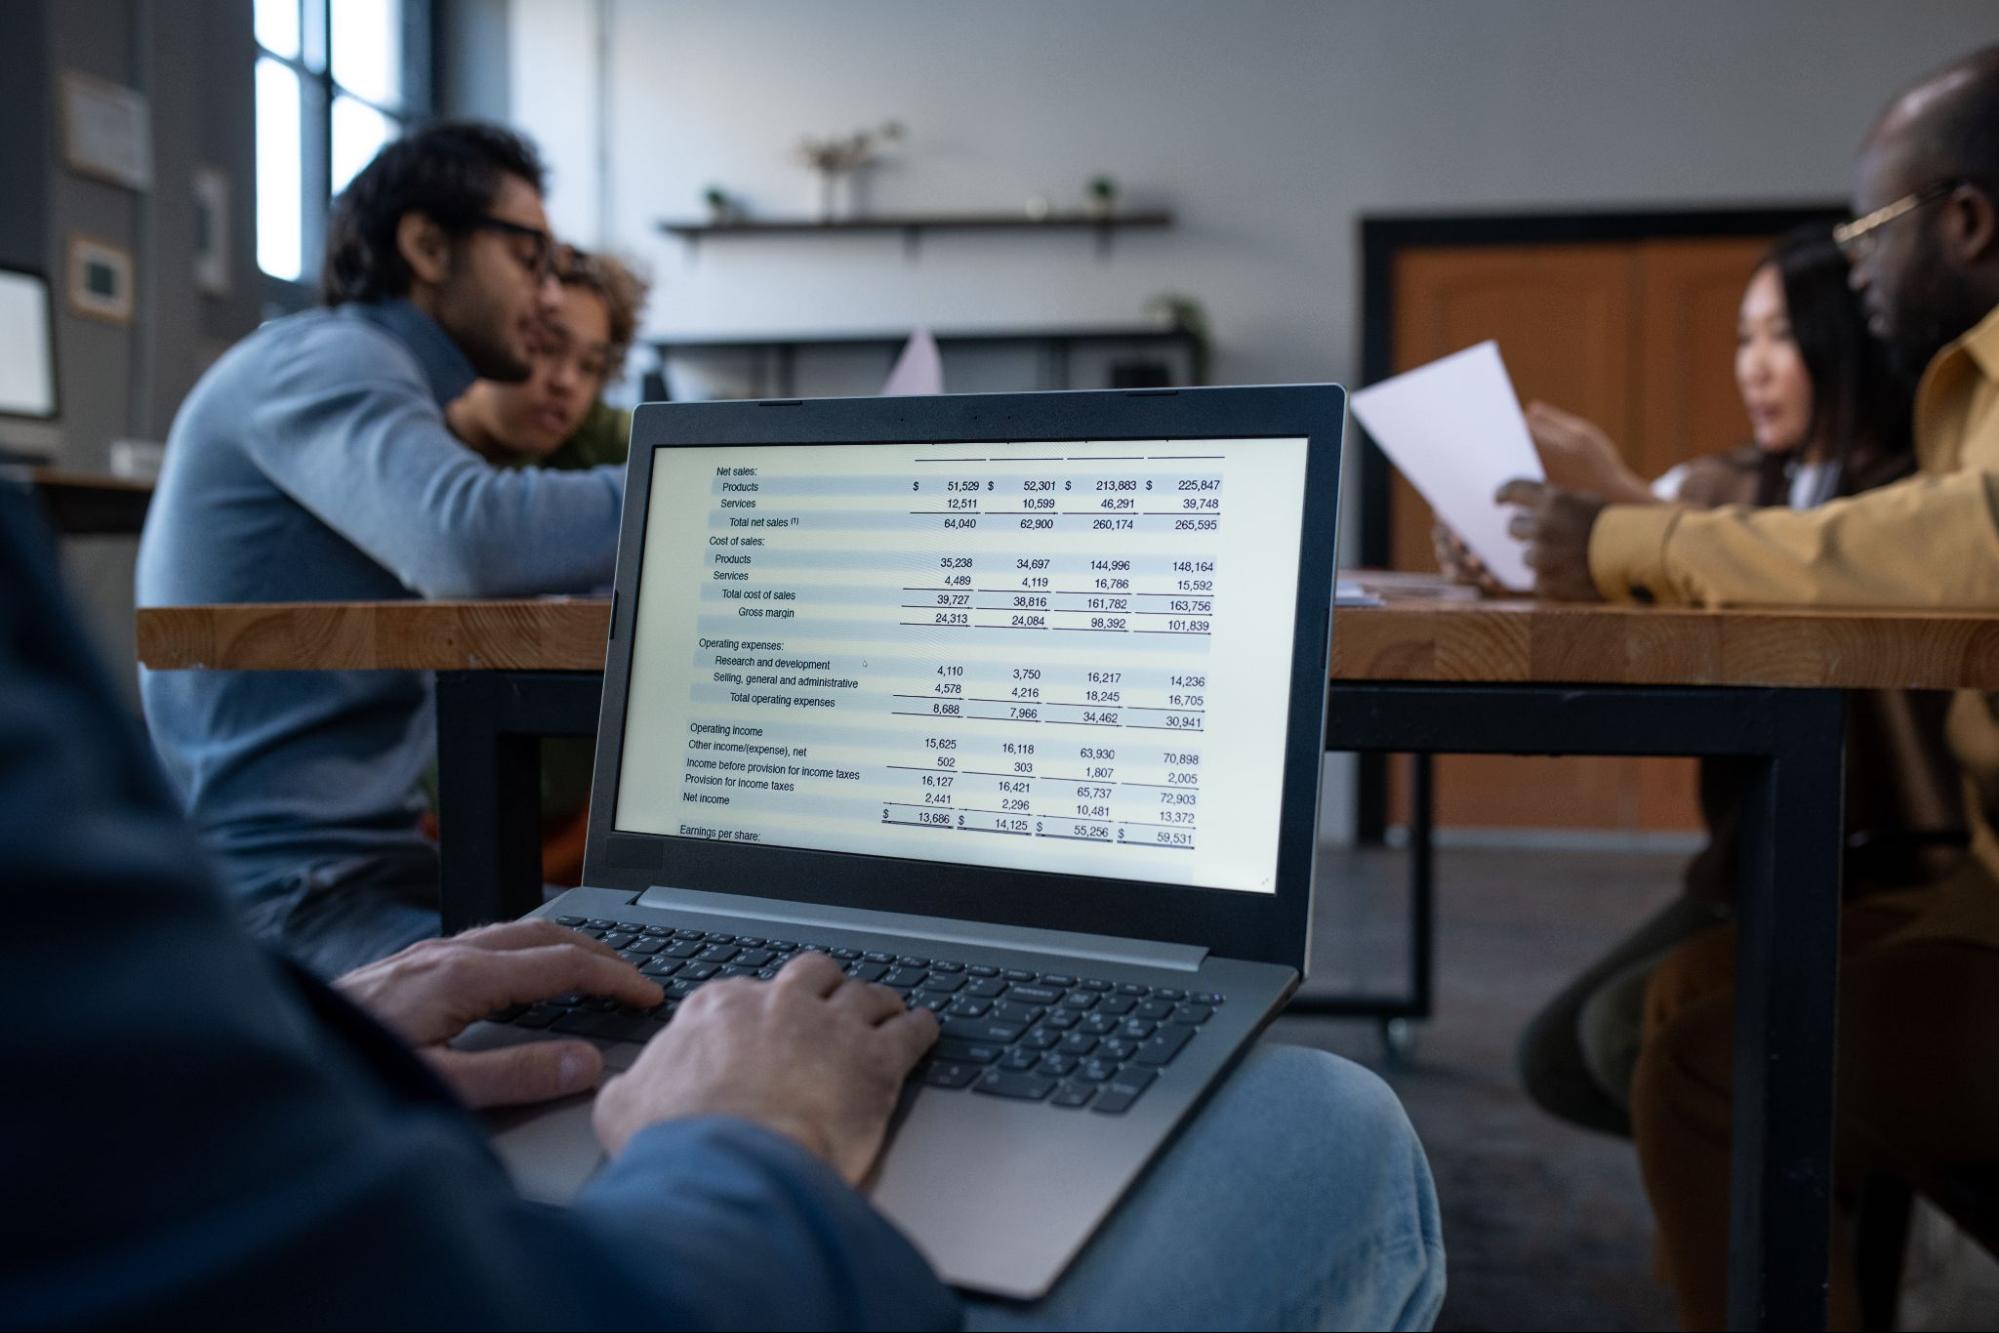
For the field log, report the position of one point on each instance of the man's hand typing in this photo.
(433, 990)
(811, 1054)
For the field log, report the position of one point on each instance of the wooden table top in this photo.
(1408, 639)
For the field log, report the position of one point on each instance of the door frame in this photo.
(1384, 237)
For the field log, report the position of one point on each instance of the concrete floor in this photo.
(1547, 1225)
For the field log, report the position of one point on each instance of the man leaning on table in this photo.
(313, 463)
(1918, 1055)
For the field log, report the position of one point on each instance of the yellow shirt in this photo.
(1931, 541)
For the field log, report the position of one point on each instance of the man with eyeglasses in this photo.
(313, 463)
(1918, 1095)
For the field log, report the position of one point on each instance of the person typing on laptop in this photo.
(212, 1136)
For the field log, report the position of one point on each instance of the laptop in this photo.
(1013, 703)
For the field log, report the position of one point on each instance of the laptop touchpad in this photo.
(550, 1150)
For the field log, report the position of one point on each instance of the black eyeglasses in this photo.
(541, 260)
(572, 263)
(1857, 239)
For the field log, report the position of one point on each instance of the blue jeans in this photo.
(1298, 1198)
(333, 916)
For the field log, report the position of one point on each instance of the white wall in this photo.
(1269, 126)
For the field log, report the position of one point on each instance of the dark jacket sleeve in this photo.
(193, 1135)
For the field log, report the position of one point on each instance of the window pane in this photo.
(277, 27)
(358, 131)
(279, 192)
(368, 48)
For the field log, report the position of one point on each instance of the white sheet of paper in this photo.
(1455, 430)
(919, 370)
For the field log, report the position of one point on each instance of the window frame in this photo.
(318, 89)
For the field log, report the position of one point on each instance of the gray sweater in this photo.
(312, 463)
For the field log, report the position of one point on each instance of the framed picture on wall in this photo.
(100, 280)
(211, 231)
(106, 131)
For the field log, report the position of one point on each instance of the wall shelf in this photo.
(774, 357)
(913, 225)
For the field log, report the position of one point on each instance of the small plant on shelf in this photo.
(722, 208)
(1102, 192)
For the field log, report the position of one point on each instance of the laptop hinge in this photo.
(941, 930)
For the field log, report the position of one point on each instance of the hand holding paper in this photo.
(1454, 429)
(1554, 528)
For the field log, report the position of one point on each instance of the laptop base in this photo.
(998, 1194)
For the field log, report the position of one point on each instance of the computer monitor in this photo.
(27, 362)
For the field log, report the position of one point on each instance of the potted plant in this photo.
(1102, 192)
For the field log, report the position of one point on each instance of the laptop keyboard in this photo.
(1061, 1039)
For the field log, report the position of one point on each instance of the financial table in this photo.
(1083, 650)
(1070, 759)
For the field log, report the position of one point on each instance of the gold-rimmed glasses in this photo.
(1856, 239)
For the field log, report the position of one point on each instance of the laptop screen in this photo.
(1053, 655)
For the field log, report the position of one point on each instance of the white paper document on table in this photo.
(1455, 430)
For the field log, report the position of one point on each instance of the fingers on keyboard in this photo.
(1053, 1038)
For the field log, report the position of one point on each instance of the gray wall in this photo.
(194, 63)
(24, 154)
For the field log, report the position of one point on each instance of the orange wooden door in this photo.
(1638, 337)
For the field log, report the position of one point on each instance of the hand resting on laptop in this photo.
(812, 1054)
(430, 992)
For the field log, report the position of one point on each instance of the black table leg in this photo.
(489, 730)
(1417, 1001)
(1422, 882)
(1786, 973)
